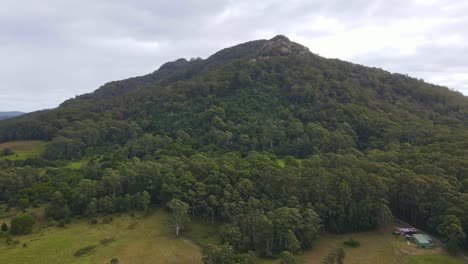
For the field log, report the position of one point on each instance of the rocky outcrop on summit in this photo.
(281, 45)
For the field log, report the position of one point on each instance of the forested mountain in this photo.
(268, 138)
(6, 115)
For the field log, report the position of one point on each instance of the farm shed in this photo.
(423, 241)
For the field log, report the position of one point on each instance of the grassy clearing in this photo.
(23, 149)
(376, 247)
(379, 247)
(433, 259)
(140, 239)
(148, 239)
(76, 165)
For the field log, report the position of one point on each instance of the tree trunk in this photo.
(212, 218)
(177, 230)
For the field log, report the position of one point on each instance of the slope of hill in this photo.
(6, 115)
(266, 137)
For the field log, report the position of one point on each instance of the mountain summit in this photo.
(283, 45)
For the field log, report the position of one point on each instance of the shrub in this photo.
(107, 241)
(107, 220)
(52, 223)
(114, 261)
(7, 152)
(287, 258)
(4, 227)
(61, 223)
(351, 243)
(22, 224)
(336, 255)
(86, 250)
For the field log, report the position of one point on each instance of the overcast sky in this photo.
(52, 50)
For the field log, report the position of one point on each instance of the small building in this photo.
(423, 241)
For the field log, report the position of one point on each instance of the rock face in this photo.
(281, 45)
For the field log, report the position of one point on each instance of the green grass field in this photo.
(139, 239)
(377, 247)
(23, 149)
(148, 239)
(433, 259)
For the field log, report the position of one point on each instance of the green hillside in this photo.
(266, 139)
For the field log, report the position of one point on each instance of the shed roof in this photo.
(422, 239)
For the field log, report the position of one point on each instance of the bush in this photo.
(336, 255)
(107, 241)
(61, 223)
(107, 220)
(52, 223)
(86, 250)
(4, 227)
(93, 221)
(287, 257)
(22, 224)
(351, 243)
(114, 261)
(7, 152)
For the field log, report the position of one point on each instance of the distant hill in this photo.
(6, 115)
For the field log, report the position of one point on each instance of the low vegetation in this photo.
(107, 241)
(86, 250)
(351, 243)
